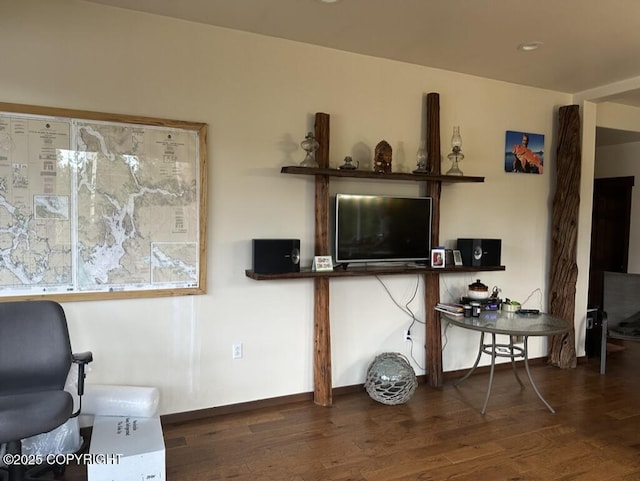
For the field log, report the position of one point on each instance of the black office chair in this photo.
(35, 360)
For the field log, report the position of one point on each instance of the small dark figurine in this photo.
(382, 157)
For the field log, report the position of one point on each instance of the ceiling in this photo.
(586, 44)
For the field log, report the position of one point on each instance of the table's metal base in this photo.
(504, 350)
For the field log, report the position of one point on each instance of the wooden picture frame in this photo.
(121, 200)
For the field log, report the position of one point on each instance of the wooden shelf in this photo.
(363, 174)
(369, 271)
(433, 184)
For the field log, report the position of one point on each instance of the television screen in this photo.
(374, 228)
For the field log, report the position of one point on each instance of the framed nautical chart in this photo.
(99, 206)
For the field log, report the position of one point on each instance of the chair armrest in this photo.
(82, 357)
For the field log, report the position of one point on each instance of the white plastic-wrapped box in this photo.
(126, 449)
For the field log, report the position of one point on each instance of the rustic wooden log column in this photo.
(564, 234)
(432, 280)
(323, 389)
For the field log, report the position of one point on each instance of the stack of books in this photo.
(451, 309)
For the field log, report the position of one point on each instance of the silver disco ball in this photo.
(390, 379)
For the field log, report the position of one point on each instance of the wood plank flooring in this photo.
(438, 435)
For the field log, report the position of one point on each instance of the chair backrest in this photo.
(35, 351)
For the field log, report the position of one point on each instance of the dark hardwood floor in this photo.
(438, 435)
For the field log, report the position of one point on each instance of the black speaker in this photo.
(276, 256)
(480, 252)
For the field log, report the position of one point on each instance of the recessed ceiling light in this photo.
(329, 1)
(529, 46)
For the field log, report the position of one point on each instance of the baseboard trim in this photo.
(187, 416)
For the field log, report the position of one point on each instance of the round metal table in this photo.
(513, 325)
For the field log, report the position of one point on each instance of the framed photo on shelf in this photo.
(322, 264)
(457, 258)
(437, 258)
(448, 257)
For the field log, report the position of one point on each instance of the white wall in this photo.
(596, 162)
(258, 95)
(620, 161)
(618, 116)
(623, 160)
(583, 248)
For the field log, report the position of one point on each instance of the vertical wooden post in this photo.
(432, 134)
(323, 389)
(564, 235)
(323, 394)
(432, 280)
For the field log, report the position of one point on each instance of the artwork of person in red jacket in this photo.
(525, 159)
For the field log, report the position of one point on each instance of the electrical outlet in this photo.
(236, 351)
(407, 335)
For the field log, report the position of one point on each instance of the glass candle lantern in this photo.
(309, 145)
(456, 154)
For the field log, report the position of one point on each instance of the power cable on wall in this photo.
(407, 310)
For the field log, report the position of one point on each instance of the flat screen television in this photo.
(375, 228)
